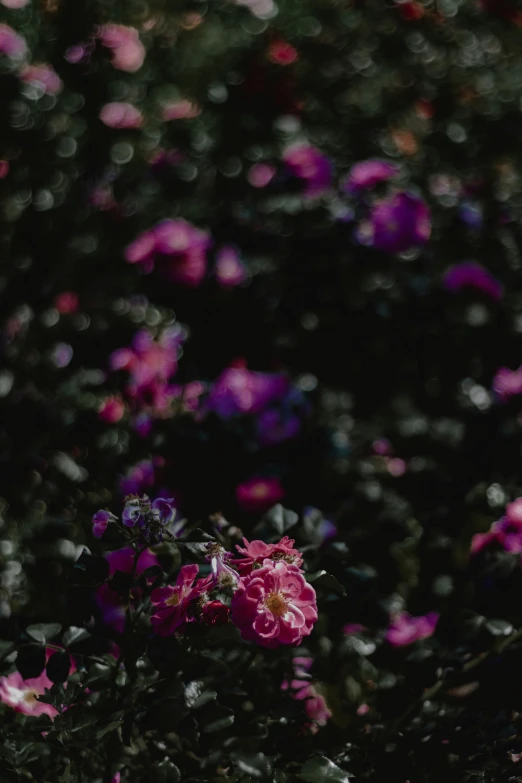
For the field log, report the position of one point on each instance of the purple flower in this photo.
(469, 274)
(229, 268)
(368, 173)
(100, 521)
(132, 512)
(405, 629)
(275, 426)
(507, 383)
(223, 574)
(165, 510)
(310, 165)
(139, 477)
(396, 224)
(240, 391)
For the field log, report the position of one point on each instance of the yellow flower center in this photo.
(276, 603)
(30, 697)
(173, 600)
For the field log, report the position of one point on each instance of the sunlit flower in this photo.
(171, 603)
(274, 605)
(22, 695)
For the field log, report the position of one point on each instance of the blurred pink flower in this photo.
(121, 115)
(274, 605)
(171, 603)
(230, 271)
(128, 52)
(67, 302)
(22, 694)
(507, 383)
(259, 494)
(111, 410)
(15, 5)
(310, 165)
(396, 224)
(368, 173)
(180, 110)
(405, 629)
(12, 44)
(255, 552)
(506, 531)
(240, 391)
(282, 53)
(260, 174)
(43, 75)
(4, 169)
(302, 689)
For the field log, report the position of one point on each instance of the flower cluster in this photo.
(151, 519)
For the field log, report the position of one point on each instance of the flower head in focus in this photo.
(254, 553)
(274, 605)
(171, 604)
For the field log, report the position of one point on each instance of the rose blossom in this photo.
(172, 602)
(22, 694)
(274, 605)
(405, 629)
(111, 409)
(255, 552)
(121, 115)
(308, 164)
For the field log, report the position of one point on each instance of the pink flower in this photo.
(260, 174)
(111, 410)
(15, 4)
(396, 224)
(307, 163)
(116, 778)
(180, 110)
(43, 75)
(282, 53)
(229, 268)
(66, 302)
(12, 44)
(172, 602)
(239, 391)
(141, 250)
(303, 690)
(149, 361)
(100, 522)
(255, 552)
(507, 383)
(368, 173)
(259, 494)
(128, 53)
(4, 169)
(121, 115)
(22, 694)
(514, 512)
(274, 605)
(405, 629)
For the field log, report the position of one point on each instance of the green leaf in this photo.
(218, 725)
(43, 632)
(115, 724)
(326, 580)
(74, 635)
(322, 770)
(254, 764)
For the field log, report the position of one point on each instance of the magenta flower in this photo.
(222, 574)
(172, 603)
(302, 689)
(274, 605)
(44, 76)
(67, 302)
(259, 494)
(229, 268)
(22, 694)
(506, 532)
(368, 173)
(12, 44)
(507, 383)
(405, 629)
(110, 601)
(140, 477)
(111, 410)
(256, 552)
(310, 165)
(240, 391)
(100, 521)
(179, 247)
(396, 224)
(469, 274)
(128, 53)
(261, 174)
(121, 115)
